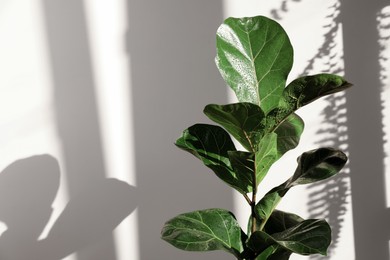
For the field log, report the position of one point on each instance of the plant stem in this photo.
(247, 199)
(253, 204)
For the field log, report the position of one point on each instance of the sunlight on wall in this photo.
(384, 60)
(27, 120)
(107, 27)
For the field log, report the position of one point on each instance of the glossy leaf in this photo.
(266, 155)
(264, 247)
(307, 237)
(289, 133)
(310, 236)
(244, 166)
(280, 254)
(204, 230)
(313, 166)
(254, 56)
(268, 203)
(303, 91)
(280, 221)
(317, 165)
(211, 145)
(307, 89)
(244, 121)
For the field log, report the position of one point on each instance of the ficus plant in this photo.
(255, 56)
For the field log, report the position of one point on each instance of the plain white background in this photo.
(93, 95)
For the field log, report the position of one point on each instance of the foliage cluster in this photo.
(255, 56)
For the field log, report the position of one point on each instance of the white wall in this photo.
(94, 93)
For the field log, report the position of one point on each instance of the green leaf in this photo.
(266, 155)
(254, 56)
(280, 221)
(307, 89)
(289, 133)
(204, 230)
(272, 252)
(244, 166)
(211, 144)
(241, 120)
(313, 166)
(310, 236)
(317, 165)
(268, 203)
(301, 92)
(307, 237)
(260, 241)
(280, 254)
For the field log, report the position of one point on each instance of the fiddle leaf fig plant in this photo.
(255, 56)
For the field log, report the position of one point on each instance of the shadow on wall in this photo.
(27, 190)
(355, 125)
(328, 199)
(75, 105)
(172, 48)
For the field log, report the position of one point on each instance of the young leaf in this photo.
(310, 236)
(241, 120)
(204, 230)
(211, 145)
(254, 56)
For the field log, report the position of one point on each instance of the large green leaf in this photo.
(254, 56)
(204, 230)
(313, 166)
(211, 144)
(244, 121)
(310, 236)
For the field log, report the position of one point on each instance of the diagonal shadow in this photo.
(173, 76)
(27, 190)
(75, 104)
